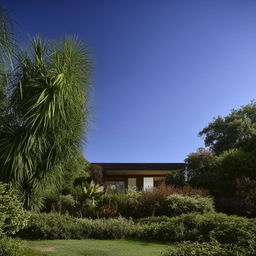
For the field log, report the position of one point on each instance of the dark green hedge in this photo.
(196, 227)
(55, 226)
(210, 249)
(188, 227)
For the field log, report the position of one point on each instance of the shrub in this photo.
(63, 204)
(229, 166)
(243, 200)
(210, 249)
(54, 226)
(166, 190)
(12, 215)
(180, 204)
(188, 227)
(125, 205)
(197, 227)
(153, 219)
(108, 228)
(141, 204)
(14, 247)
(51, 226)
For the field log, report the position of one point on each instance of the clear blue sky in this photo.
(164, 68)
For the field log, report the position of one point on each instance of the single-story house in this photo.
(118, 177)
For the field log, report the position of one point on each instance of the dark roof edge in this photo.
(140, 166)
(137, 163)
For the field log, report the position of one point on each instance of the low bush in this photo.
(180, 204)
(12, 215)
(62, 204)
(54, 226)
(188, 227)
(203, 228)
(125, 205)
(152, 203)
(152, 220)
(14, 247)
(210, 249)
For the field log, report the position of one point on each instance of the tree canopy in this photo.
(236, 130)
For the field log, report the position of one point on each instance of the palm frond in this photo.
(49, 103)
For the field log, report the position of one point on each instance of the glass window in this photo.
(115, 187)
(158, 181)
(132, 184)
(148, 183)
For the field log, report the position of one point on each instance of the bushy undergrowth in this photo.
(14, 247)
(54, 226)
(12, 215)
(197, 227)
(163, 200)
(188, 227)
(180, 204)
(242, 200)
(210, 249)
(152, 220)
(134, 204)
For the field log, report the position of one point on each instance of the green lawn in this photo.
(98, 247)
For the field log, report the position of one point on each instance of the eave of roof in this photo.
(141, 166)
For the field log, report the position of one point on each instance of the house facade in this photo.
(120, 177)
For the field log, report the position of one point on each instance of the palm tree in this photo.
(48, 106)
(7, 44)
(7, 41)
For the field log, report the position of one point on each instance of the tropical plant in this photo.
(48, 105)
(7, 44)
(91, 191)
(7, 41)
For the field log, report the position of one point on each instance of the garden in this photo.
(51, 205)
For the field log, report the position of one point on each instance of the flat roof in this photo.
(141, 166)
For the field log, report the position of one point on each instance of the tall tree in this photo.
(7, 43)
(198, 162)
(48, 102)
(236, 130)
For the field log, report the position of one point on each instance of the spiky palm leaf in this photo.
(92, 191)
(7, 44)
(49, 101)
(7, 41)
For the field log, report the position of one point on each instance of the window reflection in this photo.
(148, 183)
(114, 187)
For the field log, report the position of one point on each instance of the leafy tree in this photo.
(75, 169)
(236, 163)
(199, 162)
(48, 103)
(236, 130)
(175, 178)
(229, 166)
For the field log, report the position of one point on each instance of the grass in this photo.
(97, 247)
